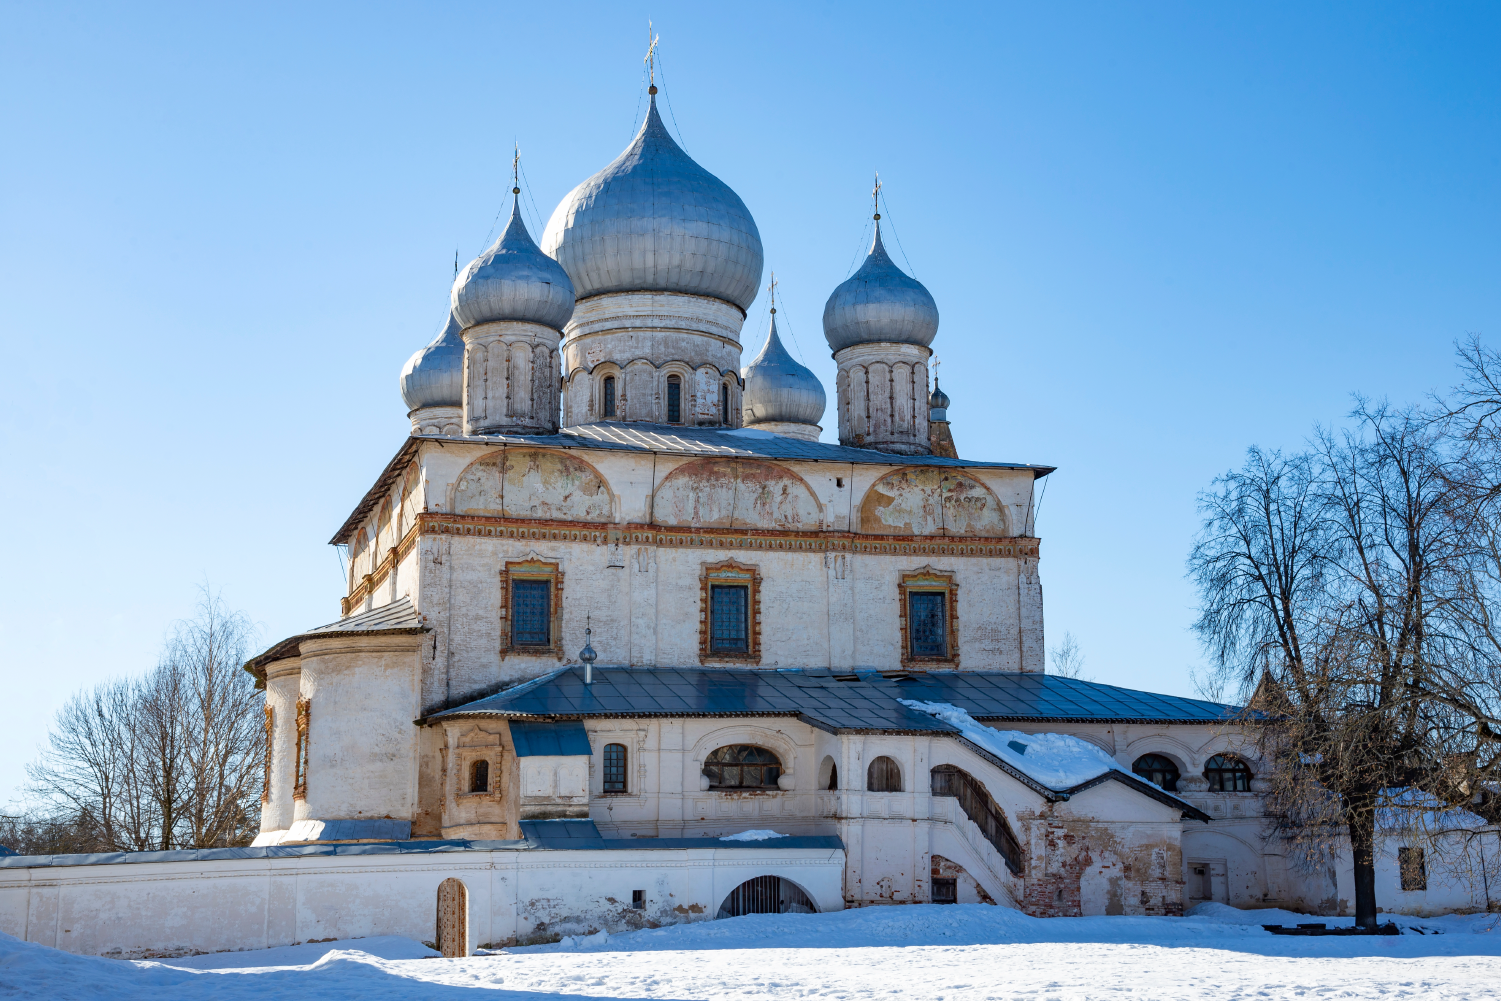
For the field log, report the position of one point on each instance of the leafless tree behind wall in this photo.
(172, 759)
(1338, 588)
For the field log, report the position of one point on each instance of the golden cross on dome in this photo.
(651, 54)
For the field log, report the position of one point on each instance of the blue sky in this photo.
(1157, 233)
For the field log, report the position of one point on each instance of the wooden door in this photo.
(453, 919)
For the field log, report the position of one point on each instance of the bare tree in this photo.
(1066, 659)
(168, 760)
(1336, 588)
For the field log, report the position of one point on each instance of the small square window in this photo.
(729, 624)
(945, 890)
(927, 618)
(531, 613)
(638, 899)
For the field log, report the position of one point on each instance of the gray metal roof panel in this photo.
(747, 442)
(870, 703)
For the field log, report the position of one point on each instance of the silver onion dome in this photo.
(938, 403)
(777, 388)
(513, 280)
(434, 376)
(879, 303)
(654, 220)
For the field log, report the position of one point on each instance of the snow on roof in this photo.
(1056, 760)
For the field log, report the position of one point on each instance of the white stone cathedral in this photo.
(624, 643)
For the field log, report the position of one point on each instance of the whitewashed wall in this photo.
(173, 908)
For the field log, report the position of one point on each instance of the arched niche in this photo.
(735, 493)
(532, 483)
(927, 500)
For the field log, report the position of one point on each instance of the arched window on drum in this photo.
(1159, 770)
(742, 766)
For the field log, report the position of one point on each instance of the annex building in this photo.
(615, 616)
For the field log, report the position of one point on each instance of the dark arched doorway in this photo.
(766, 895)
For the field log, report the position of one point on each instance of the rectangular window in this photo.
(728, 622)
(638, 899)
(531, 613)
(1414, 871)
(945, 890)
(674, 401)
(609, 396)
(928, 621)
(614, 772)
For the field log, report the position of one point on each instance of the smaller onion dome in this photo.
(938, 403)
(777, 388)
(879, 304)
(513, 280)
(434, 376)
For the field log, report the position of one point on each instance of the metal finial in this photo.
(875, 196)
(587, 656)
(772, 291)
(516, 170)
(651, 58)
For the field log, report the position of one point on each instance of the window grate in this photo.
(609, 396)
(945, 890)
(928, 623)
(614, 770)
(531, 613)
(674, 401)
(742, 766)
(729, 624)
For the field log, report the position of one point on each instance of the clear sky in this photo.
(1156, 232)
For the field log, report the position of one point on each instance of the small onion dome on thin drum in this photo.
(655, 221)
(879, 304)
(434, 376)
(938, 403)
(778, 389)
(513, 280)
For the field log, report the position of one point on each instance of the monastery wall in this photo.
(134, 909)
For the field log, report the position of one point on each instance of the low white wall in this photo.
(132, 909)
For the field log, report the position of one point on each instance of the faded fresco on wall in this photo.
(529, 483)
(735, 493)
(923, 500)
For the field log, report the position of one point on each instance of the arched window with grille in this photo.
(742, 766)
(1227, 774)
(674, 400)
(883, 775)
(479, 776)
(1157, 769)
(614, 769)
(607, 407)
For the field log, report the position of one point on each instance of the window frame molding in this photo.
(531, 569)
(732, 573)
(929, 579)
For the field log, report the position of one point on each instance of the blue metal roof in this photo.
(863, 700)
(538, 739)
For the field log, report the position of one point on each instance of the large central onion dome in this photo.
(513, 280)
(434, 376)
(778, 389)
(655, 221)
(879, 304)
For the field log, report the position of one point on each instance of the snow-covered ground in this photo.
(929, 952)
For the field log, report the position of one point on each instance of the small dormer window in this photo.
(674, 400)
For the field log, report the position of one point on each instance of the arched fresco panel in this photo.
(735, 493)
(924, 500)
(530, 483)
